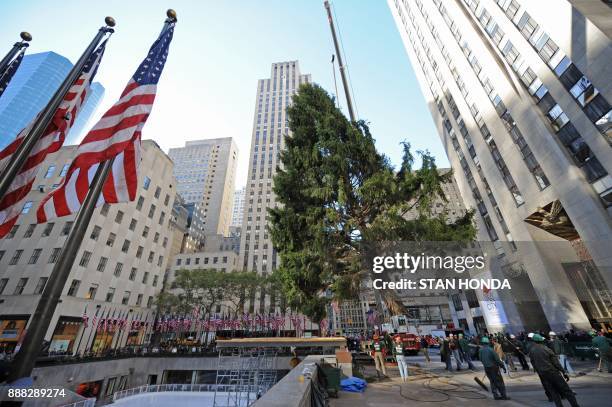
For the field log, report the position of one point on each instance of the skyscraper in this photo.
(205, 171)
(270, 126)
(30, 90)
(83, 122)
(238, 208)
(520, 91)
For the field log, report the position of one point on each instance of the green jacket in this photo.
(544, 359)
(464, 344)
(488, 357)
(602, 343)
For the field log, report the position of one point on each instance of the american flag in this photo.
(7, 75)
(12, 203)
(116, 135)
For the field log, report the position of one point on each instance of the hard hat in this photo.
(530, 335)
(538, 338)
(484, 339)
(552, 333)
(512, 336)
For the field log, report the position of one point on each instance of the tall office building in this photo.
(206, 173)
(238, 208)
(270, 126)
(30, 90)
(119, 267)
(83, 123)
(519, 92)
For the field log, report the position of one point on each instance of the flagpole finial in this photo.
(110, 21)
(26, 36)
(171, 14)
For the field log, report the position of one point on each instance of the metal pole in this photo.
(335, 83)
(18, 46)
(46, 115)
(349, 103)
(41, 319)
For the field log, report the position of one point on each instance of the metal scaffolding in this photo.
(243, 375)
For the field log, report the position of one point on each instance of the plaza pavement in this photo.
(430, 384)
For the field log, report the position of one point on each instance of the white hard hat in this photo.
(552, 333)
(512, 337)
(530, 335)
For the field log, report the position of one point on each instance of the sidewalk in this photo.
(431, 384)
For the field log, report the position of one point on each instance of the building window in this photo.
(85, 259)
(151, 256)
(3, 283)
(66, 229)
(162, 217)
(64, 170)
(119, 217)
(133, 273)
(12, 232)
(139, 203)
(95, 233)
(74, 287)
(20, 286)
(149, 301)
(178, 262)
(30, 230)
(126, 298)
(91, 293)
(48, 229)
(105, 208)
(167, 200)
(26, 207)
(151, 211)
(160, 261)
(110, 294)
(126, 246)
(16, 257)
(35, 255)
(118, 269)
(139, 300)
(145, 231)
(54, 255)
(155, 279)
(132, 224)
(146, 183)
(102, 264)
(50, 171)
(156, 237)
(111, 239)
(157, 192)
(40, 286)
(145, 277)
(139, 252)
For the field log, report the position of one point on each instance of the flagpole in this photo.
(20, 156)
(18, 46)
(41, 319)
(76, 350)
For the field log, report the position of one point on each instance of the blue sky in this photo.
(220, 50)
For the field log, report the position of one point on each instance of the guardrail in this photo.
(157, 388)
(82, 403)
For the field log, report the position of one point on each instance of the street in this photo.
(431, 383)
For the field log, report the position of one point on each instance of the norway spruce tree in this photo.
(334, 191)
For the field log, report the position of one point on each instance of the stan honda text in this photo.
(442, 284)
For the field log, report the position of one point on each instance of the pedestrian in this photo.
(400, 357)
(465, 351)
(454, 347)
(603, 344)
(552, 374)
(508, 351)
(425, 348)
(497, 348)
(379, 358)
(519, 352)
(558, 346)
(492, 363)
(445, 353)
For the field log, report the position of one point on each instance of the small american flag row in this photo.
(116, 136)
(11, 204)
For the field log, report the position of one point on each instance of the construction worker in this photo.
(400, 357)
(492, 363)
(464, 350)
(379, 357)
(558, 346)
(605, 350)
(519, 351)
(552, 374)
